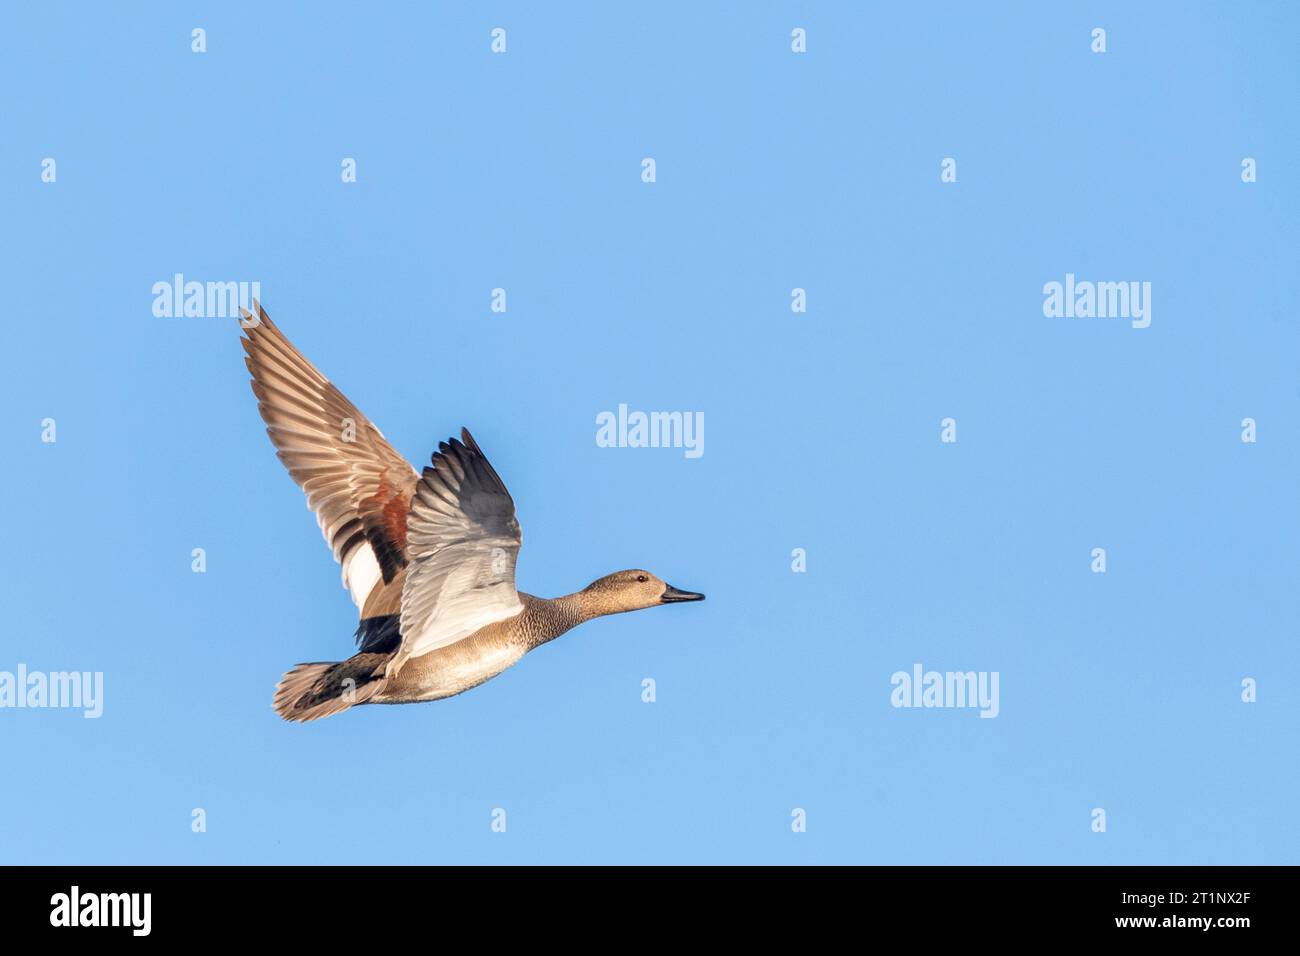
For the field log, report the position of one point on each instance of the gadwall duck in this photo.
(428, 556)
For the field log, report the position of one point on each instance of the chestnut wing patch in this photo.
(383, 517)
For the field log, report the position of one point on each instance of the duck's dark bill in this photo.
(671, 595)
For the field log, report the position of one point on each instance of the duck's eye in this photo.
(641, 578)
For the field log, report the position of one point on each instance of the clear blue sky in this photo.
(774, 171)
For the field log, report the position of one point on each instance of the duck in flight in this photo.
(429, 556)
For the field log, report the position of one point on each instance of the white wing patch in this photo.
(361, 574)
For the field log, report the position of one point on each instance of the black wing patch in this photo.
(379, 635)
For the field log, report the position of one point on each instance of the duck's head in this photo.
(632, 591)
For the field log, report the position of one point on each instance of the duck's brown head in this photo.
(632, 591)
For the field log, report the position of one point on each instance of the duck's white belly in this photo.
(447, 671)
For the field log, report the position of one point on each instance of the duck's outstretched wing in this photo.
(463, 541)
(358, 485)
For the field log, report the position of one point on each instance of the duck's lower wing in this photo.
(463, 541)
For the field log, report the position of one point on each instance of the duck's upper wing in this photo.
(463, 541)
(358, 485)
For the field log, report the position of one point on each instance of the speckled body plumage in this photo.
(489, 651)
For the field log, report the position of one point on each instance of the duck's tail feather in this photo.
(311, 691)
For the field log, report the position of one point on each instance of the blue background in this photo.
(775, 170)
